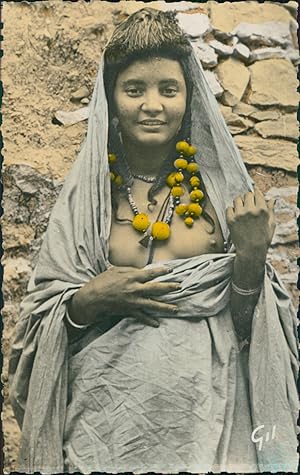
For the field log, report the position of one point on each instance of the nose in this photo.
(152, 103)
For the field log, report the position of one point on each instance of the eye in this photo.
(169, 91)
(134, 91)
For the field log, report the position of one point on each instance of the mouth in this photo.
(152, 123)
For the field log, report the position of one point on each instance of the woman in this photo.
(139, 239)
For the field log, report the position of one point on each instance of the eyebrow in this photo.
(131, 82)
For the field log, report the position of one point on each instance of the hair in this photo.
(144, 35)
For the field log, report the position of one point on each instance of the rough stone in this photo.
(244, 109)
(293, 55)
(17, 236)
(222, 36)
(207, 55)
(221, 48)
(72, 117)
(182, 6)
(241, 51)
(80, 94)
(291, 278)
(213, 83)
(265, 115)
(286, 127)
(294, 32)
(85, 101)
(236, 124)
(235, 41)
(226, 16)
(226, 111)
(292, 7)
(267, 53)
(271, 92)
(16, 270)
(285, 233)
(269, 153)
(33, 195)
(286, 201)
(196, 25)
(268, 34)
(234, 77)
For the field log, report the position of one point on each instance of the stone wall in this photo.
(51, 52)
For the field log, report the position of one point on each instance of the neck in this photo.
(146, 160)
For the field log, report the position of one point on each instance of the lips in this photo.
(151, 122)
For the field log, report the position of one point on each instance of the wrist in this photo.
(257, 258)
(78, 309)
(248, 272)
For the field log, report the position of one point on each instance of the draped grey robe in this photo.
(182, 397)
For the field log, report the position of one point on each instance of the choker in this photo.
(145, 178)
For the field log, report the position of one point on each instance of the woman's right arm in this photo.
(122, 292)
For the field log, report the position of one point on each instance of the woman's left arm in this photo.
(251, 223)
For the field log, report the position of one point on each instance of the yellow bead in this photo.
(181, 163)
(141, 222)
(195, 209)
(179, 177)
(194, 181)
(196, 195)
(112, 176)
(182, 147)
(118, 180)
(160, 230)
(192, 167)
(177, 191)
(189, 221)
(171, 179)
(181, 209)
(112, 157)
(191, 151)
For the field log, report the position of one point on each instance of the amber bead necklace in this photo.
(185, 168)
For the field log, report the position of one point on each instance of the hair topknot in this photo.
(147, 30)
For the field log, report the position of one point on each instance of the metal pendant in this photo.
(145, 240)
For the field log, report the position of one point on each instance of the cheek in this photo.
(178, 113)
(125, 113)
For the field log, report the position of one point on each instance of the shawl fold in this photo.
(75, 250)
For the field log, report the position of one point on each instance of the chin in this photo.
(153, 139)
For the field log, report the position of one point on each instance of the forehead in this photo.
(152, 69)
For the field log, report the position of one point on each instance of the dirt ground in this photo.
(51, 50)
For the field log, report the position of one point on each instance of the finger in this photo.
(229, 215)
(249, 202)
(271, 204)
(150, 305)
(144, 275)
(158, 288)
(259, 198)
(238, 205)
(121, 269)
(151, 321)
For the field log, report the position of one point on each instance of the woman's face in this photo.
(150, 99)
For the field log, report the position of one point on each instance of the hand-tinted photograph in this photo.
(150, 237)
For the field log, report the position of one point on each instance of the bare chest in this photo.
(184, 242)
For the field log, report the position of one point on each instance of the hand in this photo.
(123, 292)
(251, 224)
